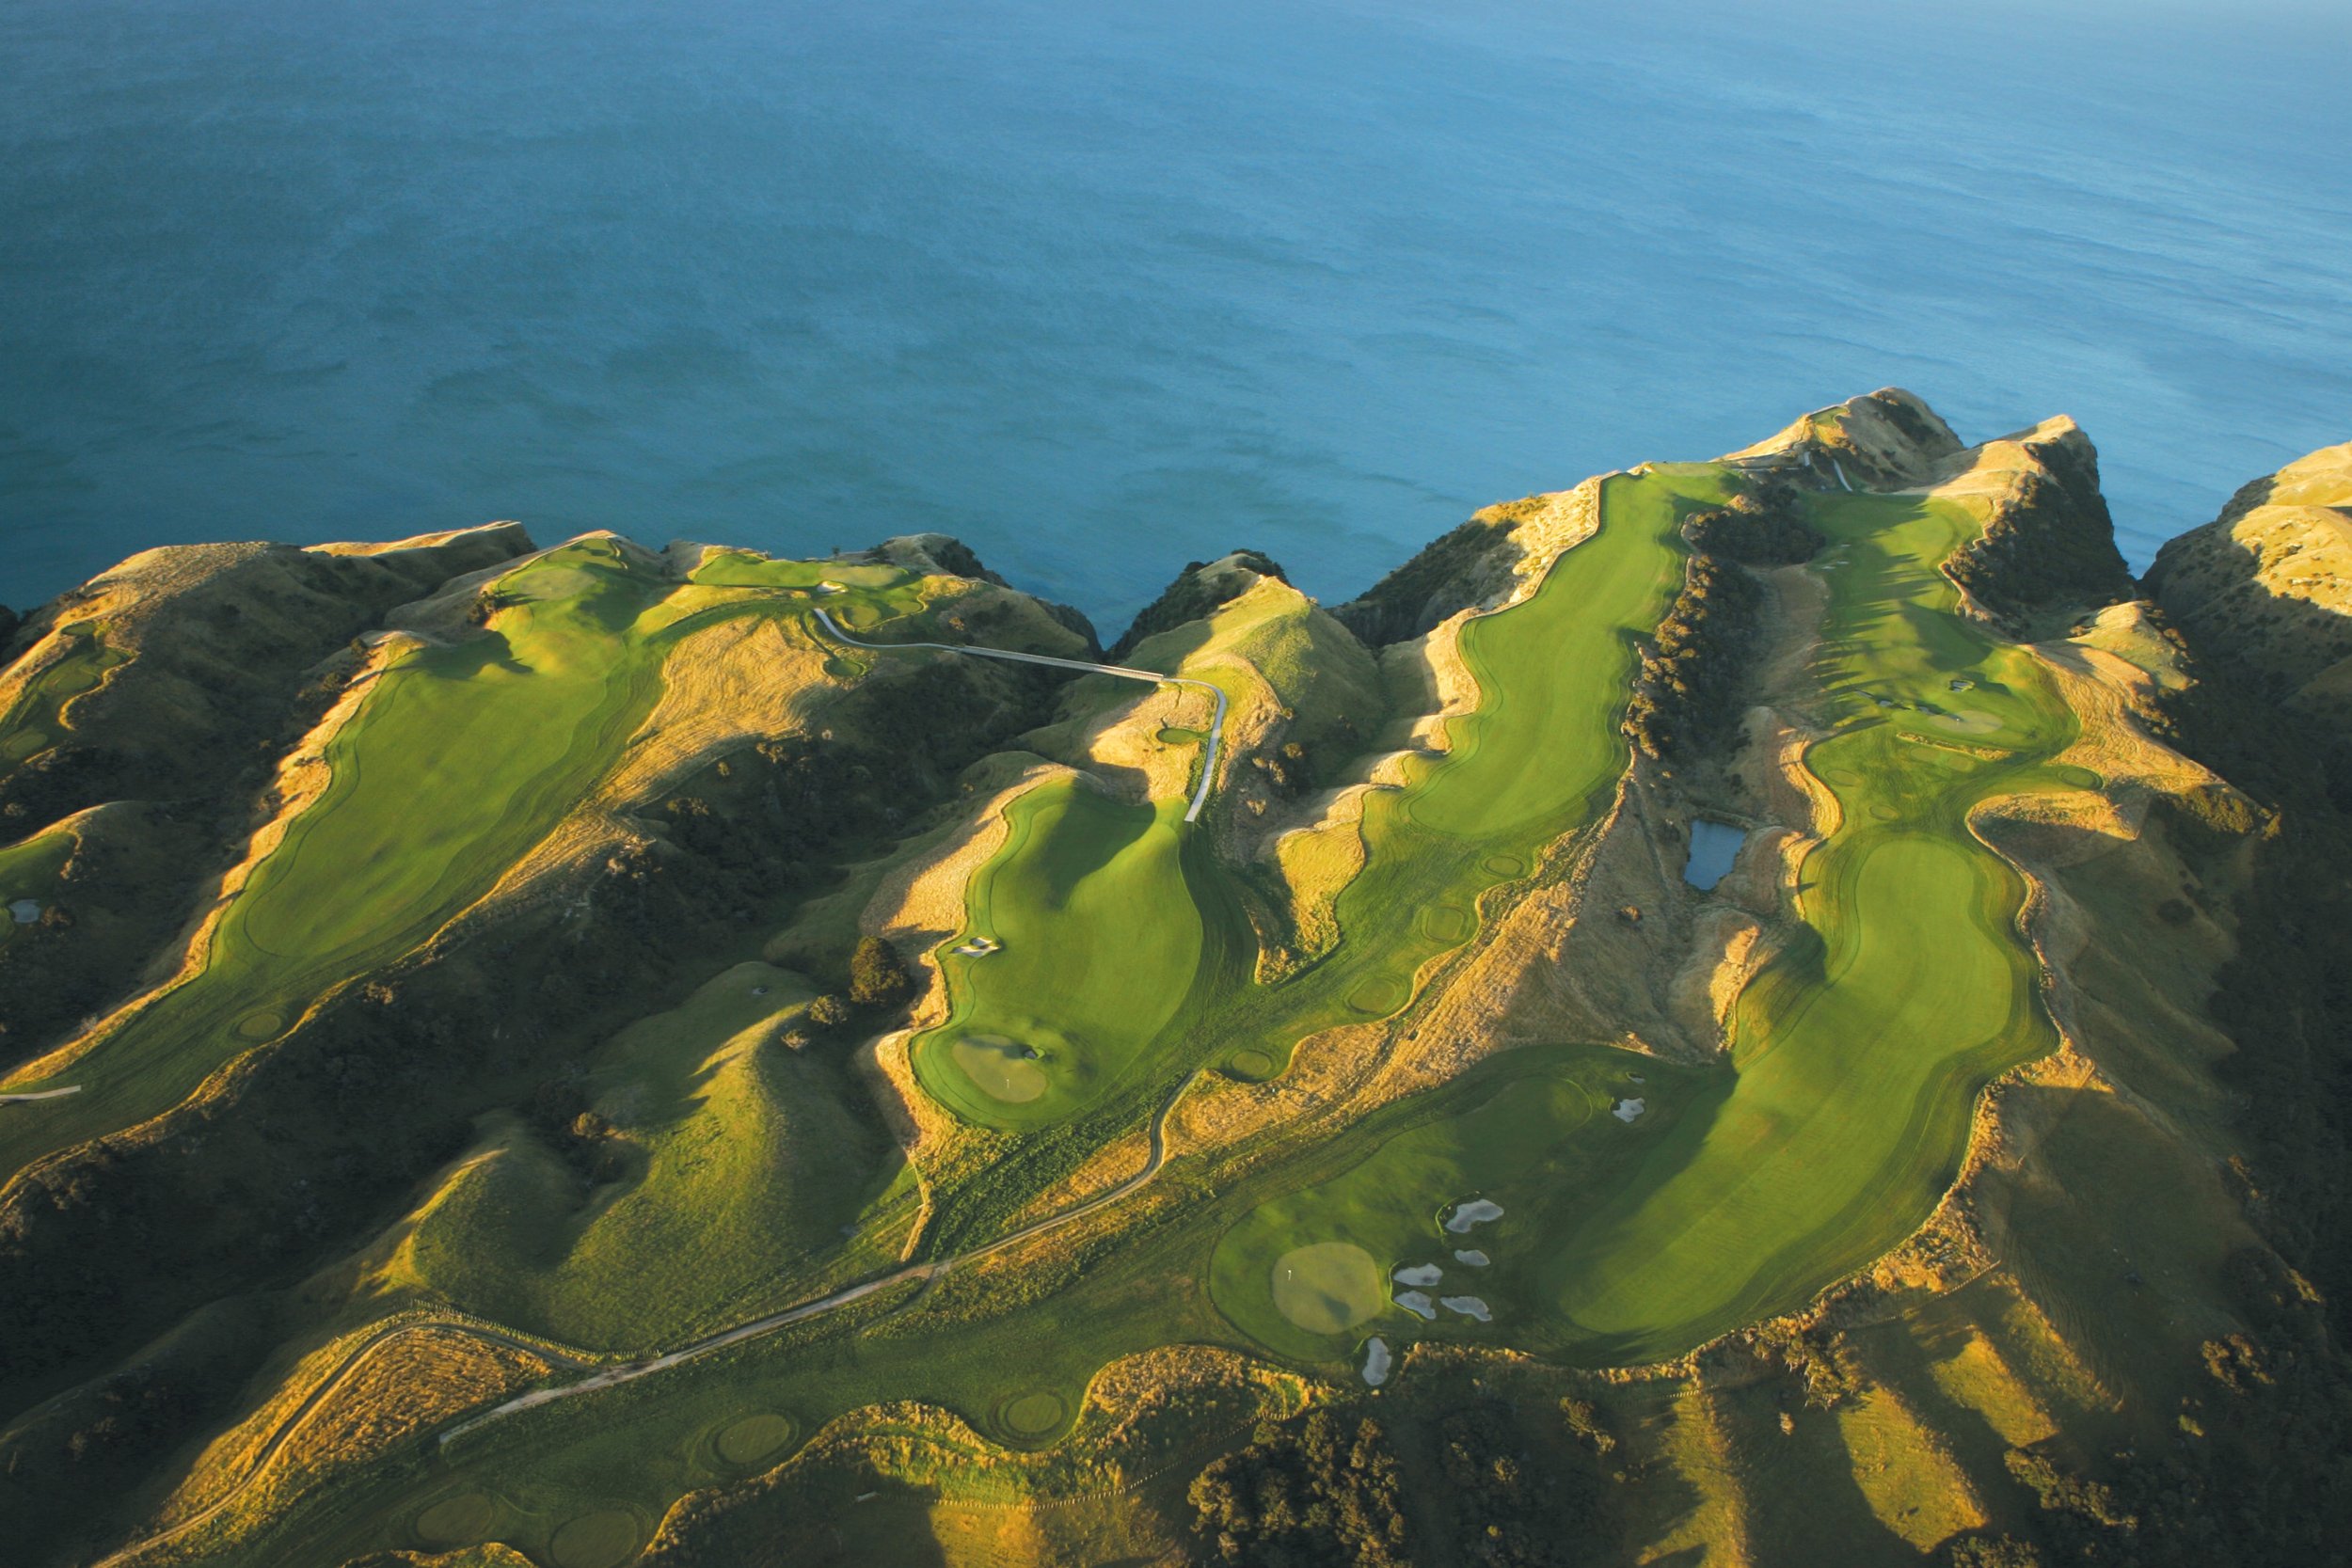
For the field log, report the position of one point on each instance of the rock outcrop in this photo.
(2267, 587)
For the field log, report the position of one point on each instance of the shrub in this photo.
(878, 977)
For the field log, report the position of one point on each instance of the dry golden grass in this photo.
(411, 1383)
(1978, 1378)
(1906, 1472)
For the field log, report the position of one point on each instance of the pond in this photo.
(1714, 846)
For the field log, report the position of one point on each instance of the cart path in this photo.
(613, 1377)
(1216, 724)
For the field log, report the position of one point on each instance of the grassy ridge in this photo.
(459, 761)
(733, 1161)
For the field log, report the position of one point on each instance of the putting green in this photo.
(1003, 1070)
(605, 1539)
(1327, 1287)
(457, 1521)
(1288, 1273)
(1030, 1416)
(753, 1438)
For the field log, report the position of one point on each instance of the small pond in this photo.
(1714, 846)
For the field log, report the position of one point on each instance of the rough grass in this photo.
(738, 1161)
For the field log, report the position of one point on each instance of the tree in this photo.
(828, 1012)
(878, 977)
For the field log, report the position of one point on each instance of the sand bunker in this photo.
(1001, 1069)
(1418, 1303)
(1424, 1273)
(1478, 1211)
(1470, 1307)
(25, 911)
(1376, 1361)
(1472, 1258)
(1328, 1286)
(1626, 1110)
(1969, 722)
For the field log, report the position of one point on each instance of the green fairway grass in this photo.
(1743, 1188)
(1533, 759)
(457, 760)
(30, 871)
(1858, 1054)
(35, 720)
(1102, 939)
(1526, 1131)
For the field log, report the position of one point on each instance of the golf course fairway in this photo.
(1857, 1054)
(457, 760)
(1098, 939)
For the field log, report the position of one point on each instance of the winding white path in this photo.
(1216, 724)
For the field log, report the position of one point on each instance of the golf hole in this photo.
(1445, 923)
(459, 1521)
(1328, 1286)
(1032, 1416)
(754, 1437)
(1001, 1068)
(605, 1539)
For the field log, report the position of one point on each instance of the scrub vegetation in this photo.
(605, 1067)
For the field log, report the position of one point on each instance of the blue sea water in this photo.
(1105, 287)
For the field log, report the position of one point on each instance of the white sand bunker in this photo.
(1478, 1211)
(1418, 1303)
(1972, 722)
(1426, 1273)
(1472, 1257)
(1626, 1110)
(1376, 1361)
(1470, 1307)
(25, 911)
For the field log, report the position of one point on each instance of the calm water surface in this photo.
(1105, 287)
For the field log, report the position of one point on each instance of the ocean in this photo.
(1105, 288)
